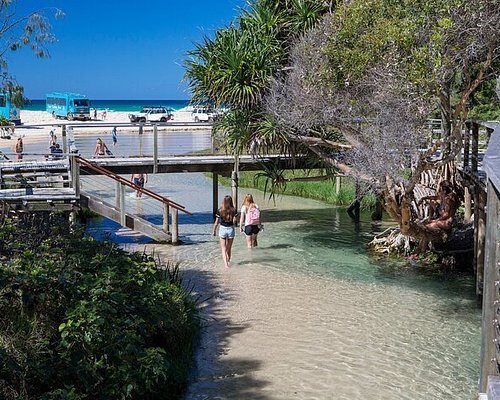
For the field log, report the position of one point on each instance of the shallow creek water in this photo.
(309, 314)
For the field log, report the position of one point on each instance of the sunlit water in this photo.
(309, 314)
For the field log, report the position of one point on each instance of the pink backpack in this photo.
(253, 216)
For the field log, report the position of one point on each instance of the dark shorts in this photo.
(139, 182)
(251, 230)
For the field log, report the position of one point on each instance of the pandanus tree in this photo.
(373, 72)
(236, 67)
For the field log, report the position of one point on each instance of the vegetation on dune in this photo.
(84, 319)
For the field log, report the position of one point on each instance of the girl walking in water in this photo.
(250, 220)
(225, 218)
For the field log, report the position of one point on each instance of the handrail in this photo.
(103, 171)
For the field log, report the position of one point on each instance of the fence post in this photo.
(155, 149)
(166, 211)
(175, 226)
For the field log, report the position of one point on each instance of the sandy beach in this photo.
(33, 134)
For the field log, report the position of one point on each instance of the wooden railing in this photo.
(490, 338)
(169, 206)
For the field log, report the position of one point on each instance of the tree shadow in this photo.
(214, 376)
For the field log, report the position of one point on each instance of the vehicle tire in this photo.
(163, 119)
(210, 119)
(196, 119)
(142, 120)
(70, 117)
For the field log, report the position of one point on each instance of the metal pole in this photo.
(155, 149)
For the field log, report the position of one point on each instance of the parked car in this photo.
(204, 114)
(151, 114)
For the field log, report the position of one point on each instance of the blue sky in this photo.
(119, 49)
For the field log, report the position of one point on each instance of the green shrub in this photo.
(84, 319)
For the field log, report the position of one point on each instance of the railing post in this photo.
(215, 193)
(234, 180)
(123, 221)
(467, 144)
(117, 194)
(140, 139)
(155, 149)
(64, 140)
(175, 226)
(475, 147)
(166, 211)
(75, 175)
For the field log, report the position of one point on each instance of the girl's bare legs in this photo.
(229, 246)
(225, 246)
(249, 241)
(254, 240)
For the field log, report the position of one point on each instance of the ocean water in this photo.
(116, 105)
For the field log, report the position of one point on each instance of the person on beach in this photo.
(95, 113)
(139, 180)
(100, 148)
(53, 139)
(113, 136)
(250, 220)
(224, 218)
(104, 114)
(19, 148)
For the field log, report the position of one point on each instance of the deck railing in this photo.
(490, 339)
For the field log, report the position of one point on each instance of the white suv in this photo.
(151, 114)
(204, 114)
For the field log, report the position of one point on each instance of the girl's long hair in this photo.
(248, 200)
(227, 210)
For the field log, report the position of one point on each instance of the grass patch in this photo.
(321, 190)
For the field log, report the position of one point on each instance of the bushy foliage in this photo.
(84, 319)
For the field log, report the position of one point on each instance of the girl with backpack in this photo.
(225, 218)
(250, 220)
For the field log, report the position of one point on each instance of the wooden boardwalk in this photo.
(32, 184)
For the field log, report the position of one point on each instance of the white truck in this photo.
(151, 114)
(204, 114)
